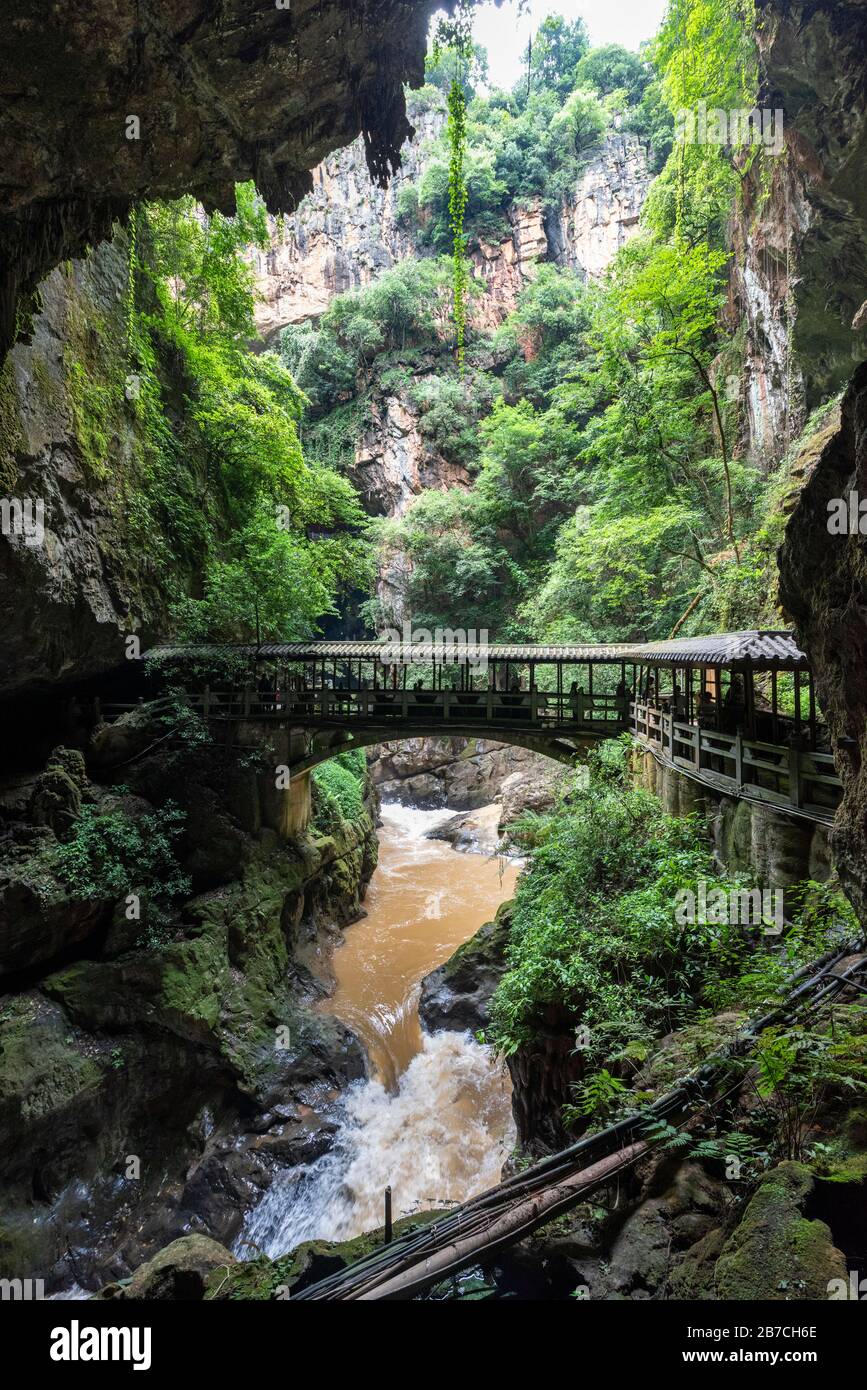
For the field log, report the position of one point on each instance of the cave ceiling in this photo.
(106, 102)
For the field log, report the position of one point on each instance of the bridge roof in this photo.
(758, 649)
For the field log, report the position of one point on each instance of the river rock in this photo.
(180, 1271)
(475, 832)
(457, 995)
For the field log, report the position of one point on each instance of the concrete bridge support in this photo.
(280, 797)
(749, 838)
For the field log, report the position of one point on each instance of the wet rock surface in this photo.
(464, 773)
(159, 1069)
(457, 995)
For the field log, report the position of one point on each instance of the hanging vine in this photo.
(456, 35)
(130, 285)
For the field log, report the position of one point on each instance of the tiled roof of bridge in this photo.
(755, 648)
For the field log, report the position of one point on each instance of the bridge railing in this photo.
(537, 709)
(785, 776)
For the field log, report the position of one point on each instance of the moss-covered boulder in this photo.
(457, 995)
(777, 1253)
(306, 1264)
(181, 1271)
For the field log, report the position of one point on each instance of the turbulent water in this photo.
(435, 1124)
(423, 901)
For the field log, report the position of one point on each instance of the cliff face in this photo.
(814, 59)
(346, 232)
(590, 227)
(800, 262)
(66, 603)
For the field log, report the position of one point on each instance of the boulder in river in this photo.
(457, 995)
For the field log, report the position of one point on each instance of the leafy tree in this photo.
(612, 68)
(555, 51)
(581, 122)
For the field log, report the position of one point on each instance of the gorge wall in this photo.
(813, 60)
(346, 233)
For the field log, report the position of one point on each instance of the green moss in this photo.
(776, 1253)
(11, 433)
(315, 1259)
(486, 947)
(42, 1071)
(846, 1159)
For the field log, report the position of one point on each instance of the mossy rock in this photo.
(846, 1160)
(180, 1271)
(457, 995)
(694, 1277)
(306, 1264)
(776, 1253)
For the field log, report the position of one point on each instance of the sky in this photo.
(504, 34)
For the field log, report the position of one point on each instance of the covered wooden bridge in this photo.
(736, 711)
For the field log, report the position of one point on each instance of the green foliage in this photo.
(112, 853)
(558, 48)
(802, 1070)
(338, 790)
(705, 51)
(612, 68)
(454, 39)
(449, 63)
(597, 1096)
(223, 483)
(394, 315)
(580, 122)
(593, 933)
(756, 979)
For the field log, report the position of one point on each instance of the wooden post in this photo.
(739, 758)
(389, 1231)
(206, 707)
(796, 793)
(750, 702)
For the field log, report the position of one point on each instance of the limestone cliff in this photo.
(66, 603)
(346, 232)
(814, 63)
(800, 253)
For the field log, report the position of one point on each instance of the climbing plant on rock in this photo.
(456, 33)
